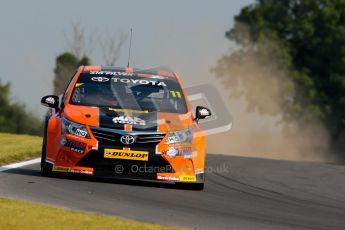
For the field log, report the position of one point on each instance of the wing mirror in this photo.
(50, 101)
(202, 113)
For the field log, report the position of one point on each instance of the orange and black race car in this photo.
(125, 123)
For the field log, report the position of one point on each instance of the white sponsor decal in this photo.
(171, 178)
(100, 79)
(172, 152)
(129, 120)
(81, 171)
(77, 150)
(128, 80)
(138, 81)
(80, 132)
(204, 112)
(50, 100)
(111, 73)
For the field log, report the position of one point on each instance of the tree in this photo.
(82, 43)
(111, 47)
(14, 118)
(300, 44)
(66, 64)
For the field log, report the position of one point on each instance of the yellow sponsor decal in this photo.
(187, 179)
(175, 94)
(79, 84)
(128, 110)
(61, 169)
(126, 154)
(81, 170)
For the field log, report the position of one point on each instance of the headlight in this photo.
(69, 127)
(180, 136)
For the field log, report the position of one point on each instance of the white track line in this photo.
(19, 164)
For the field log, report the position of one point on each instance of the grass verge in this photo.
(23, 215)
(18, 147)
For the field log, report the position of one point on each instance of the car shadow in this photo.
(129, 182)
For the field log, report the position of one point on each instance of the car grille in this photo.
(111, 137)
(107, 167)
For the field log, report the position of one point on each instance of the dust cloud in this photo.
(254, 135)
(263, 77)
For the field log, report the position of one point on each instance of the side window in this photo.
(68, 88)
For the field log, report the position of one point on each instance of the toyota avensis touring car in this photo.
(125, 123)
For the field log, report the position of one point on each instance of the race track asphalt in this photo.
(240, 193)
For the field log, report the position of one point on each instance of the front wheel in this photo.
(190, 186)
(46, 168)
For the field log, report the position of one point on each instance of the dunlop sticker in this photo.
(126, 154)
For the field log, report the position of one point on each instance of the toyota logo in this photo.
(127, 139)
(100, 79)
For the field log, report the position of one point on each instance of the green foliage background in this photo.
(13, 116)
(301, 44)
(66, 64)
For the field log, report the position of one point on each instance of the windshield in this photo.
(123, 90)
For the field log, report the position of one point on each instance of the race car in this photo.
(125, 123)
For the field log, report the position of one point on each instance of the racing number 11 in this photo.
(175, 94)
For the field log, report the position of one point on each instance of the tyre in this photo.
(46, 168)
(191, 186)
